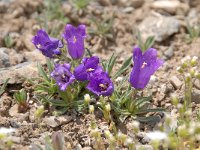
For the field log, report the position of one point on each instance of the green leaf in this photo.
(2, 89)
(141, 101)
(149, 110)
(124, 67)
(49, 65)
(56, 102)
(140, 42)
(42, 72)
(111, 63)
(148, 119)
(149, 42)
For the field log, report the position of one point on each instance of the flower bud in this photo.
(87, 98)
(91, 109)
(108, 108)
(182, 131)
(175, 100)
(95, 132)
(193, 62)
(179, 69)
(192, 72)
(121, 137)
(188, 77)
(108, 134)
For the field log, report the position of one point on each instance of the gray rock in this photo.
(169, 52)
(172, 7)
(19, 73)
(175, 82)
(4, 58)
(54, 121)
(159, 26)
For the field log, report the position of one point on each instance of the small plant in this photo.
(147, 44)
(21, 98)
(103, 27)
(8, 41)
(2, 89)
(189, 72)
(194, 31)
(81, 4)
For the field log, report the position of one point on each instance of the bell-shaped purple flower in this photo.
(75, 40)
(100, 84)
(87, 68)
(145, 65)
(47, 45)
(62, 75)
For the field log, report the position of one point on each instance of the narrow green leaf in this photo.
(57, 102)
(149, 42)
(4, 86)
(49, 65)
(148, 119)
(111, 63)
(124, 67)
(42, 72)
(150, 110)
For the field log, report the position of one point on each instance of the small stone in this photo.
(145, 147)
(13, 111)
(104, 2)
(86, 148)
(196, 96)
(4, 58)
(172, 7)
(160, 27)
(64, 119)
(169, 53)
(175, 82)
(128, 9)
(53, 121)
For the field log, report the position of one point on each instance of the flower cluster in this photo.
(90, 69)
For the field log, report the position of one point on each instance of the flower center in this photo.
(144, 64)
(38, 46)
(103, 87)
(74, 39)
(90, 69)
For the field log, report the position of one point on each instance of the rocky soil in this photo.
(166, 20)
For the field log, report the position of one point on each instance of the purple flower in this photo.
(145, 65)
(62, 75)
(75, 40)
(101, 84)
(87, 68)
(47, 45)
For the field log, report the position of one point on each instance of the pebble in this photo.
(169, 52)
(144, 147)
(160, 27)
(128, 10)
(196, 96)
(54, 121)
(174, 80)
(172, 7)
(4, 58)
